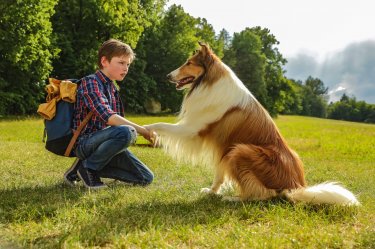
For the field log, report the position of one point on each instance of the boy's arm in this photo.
(98, 103)
(95, 100)
(116, 120)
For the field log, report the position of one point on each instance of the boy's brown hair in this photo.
(112, 48)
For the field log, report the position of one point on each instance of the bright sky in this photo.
(314, 27)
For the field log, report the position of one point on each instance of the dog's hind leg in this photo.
(248, 164)
(250, 188)
(218, 181)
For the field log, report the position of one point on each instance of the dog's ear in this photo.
(201, 43)
(205, 48)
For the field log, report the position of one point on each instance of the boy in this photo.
(102, 145)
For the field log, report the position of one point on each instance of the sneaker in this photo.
(70, 177)
(90, 178)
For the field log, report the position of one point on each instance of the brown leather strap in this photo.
(76, 134)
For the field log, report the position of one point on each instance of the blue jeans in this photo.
(106, 152)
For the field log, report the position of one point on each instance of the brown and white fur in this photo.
(222, 124)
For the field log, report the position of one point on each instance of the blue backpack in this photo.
(58, 130)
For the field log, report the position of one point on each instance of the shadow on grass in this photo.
(161, 216)
(35, 203)
(204, 211)
(109, 219)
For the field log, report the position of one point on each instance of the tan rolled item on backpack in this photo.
(52, 90)
(47, 110)
(68, 91)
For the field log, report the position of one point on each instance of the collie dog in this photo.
(222, 124)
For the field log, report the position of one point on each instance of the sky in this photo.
(333, 40)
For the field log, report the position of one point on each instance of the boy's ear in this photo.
(104, 61)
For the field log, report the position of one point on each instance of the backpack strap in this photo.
(76, 134)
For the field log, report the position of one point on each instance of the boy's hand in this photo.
(154, 138)
(151, 136)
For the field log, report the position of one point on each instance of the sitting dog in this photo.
(222, 124)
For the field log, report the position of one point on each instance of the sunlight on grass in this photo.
(37, 210)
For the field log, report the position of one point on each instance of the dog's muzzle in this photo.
(169, 77)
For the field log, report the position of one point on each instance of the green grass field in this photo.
(38, 211)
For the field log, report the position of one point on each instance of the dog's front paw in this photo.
(157, 127)
(150, 127)
(207, 191)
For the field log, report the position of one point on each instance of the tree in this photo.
(316, 86)
(314, 98)
(278, 87)
(225, 38)
(26, 52)
(248, 62)
(82, 25)
(290, 101)
(350, 109)
(168, 44)
(206, 33)
(137, 87)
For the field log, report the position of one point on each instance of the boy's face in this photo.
(117, 68)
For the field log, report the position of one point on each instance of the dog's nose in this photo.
(169, 76)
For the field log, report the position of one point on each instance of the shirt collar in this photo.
(103, 77)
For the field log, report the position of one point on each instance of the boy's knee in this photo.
(149, 178)
(127, 133)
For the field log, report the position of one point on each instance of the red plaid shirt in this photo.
(96, 93)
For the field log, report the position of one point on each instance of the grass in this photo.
(38, 211)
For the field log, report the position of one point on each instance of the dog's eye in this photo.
(188, 63)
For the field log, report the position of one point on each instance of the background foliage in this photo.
(60, 38)
(26, 53)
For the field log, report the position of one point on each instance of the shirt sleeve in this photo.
(95, 99)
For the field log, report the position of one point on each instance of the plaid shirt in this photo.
(98, 93)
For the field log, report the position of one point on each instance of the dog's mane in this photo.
(218, 93)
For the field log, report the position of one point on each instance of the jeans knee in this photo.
(127, 133)
(149, 178)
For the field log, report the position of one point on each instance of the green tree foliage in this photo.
(254, 57)
(279, 90)
(26, 53)
(138, 86)
(246, 59)
(168, 44)
(82, 25)
(225, 38)
(162, 38)
(290, 101)
(350, 109)
(206, 33)
(314, 98)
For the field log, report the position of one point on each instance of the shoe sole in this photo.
(66, 180)
(70, 183)
(88, 186)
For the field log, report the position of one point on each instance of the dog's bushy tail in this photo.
(324, 193)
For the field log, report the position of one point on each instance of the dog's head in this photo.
(191, 73)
